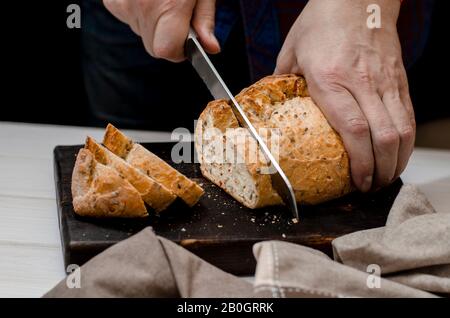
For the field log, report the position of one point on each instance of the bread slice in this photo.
(99, 191)
(153, 166)
(153, 193)
(310, 152)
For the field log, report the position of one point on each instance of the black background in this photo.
(42, 80)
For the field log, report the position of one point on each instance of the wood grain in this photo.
(218, 228)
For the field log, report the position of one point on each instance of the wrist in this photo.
(390, 9)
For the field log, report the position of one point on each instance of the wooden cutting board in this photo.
(218, 229)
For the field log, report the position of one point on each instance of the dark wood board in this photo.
(218, 228)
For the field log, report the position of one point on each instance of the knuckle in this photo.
(387, 137)
(393, 94)
(357, 126)
(407, 133)
(330, 73)
(413, 123)
(365, 78)
(411, 115)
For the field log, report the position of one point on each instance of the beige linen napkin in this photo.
(411, 253)
(149, 266)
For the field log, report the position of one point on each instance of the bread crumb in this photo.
(253, 220)
(183, 230)
(283, 235)
(219, 226)
(294, 220)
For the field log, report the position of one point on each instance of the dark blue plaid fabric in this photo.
(267, 22)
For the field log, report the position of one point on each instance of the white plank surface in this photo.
(28, 270)
(30, 249)
(37, 141)
(430, 170)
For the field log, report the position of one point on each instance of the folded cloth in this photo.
(409, 257)
(149, 266)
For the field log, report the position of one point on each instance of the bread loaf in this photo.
(99, 191)
(151, 165)
(310, 152)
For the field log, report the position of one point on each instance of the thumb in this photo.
(203, 21)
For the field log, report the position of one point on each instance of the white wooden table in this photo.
(30, 249)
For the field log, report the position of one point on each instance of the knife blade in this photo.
(219, 90)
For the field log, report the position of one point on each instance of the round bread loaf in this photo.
(309, 151)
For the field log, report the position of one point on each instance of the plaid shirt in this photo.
(267, 22)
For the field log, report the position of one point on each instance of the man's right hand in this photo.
(164, 25)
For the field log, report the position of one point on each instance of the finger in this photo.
(203, 22)
(344, 115)
(406, 101)
(385, 139)
(164, 27)
(400, 118)
(400, 107)
(287, 61)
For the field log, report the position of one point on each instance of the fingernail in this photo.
(367, 184)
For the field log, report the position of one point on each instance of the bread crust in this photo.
(99, 191)
(151, 165)
(153, 193)
(311, 153)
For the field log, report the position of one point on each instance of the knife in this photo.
(204, 67)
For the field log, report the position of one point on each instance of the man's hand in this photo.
(164, 24)
(356, 76)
